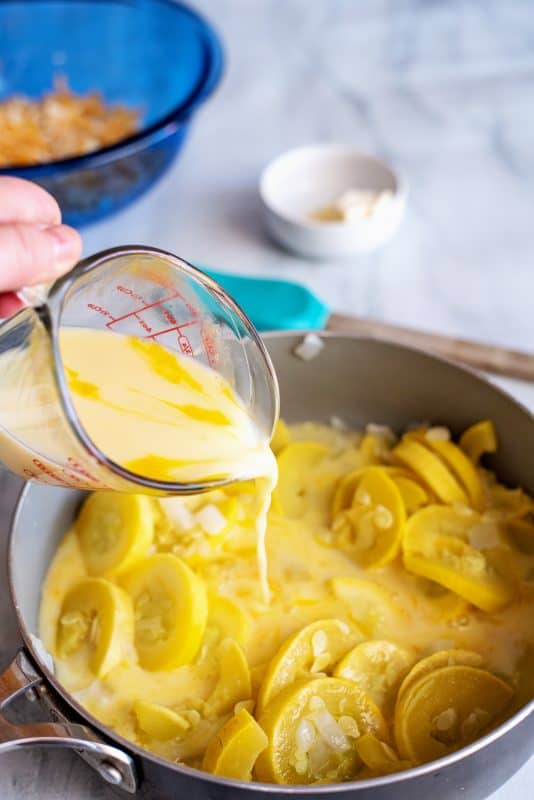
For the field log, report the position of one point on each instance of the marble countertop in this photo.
(445, 91)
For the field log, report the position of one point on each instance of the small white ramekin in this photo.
(300, 181)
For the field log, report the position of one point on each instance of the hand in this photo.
(34, 246)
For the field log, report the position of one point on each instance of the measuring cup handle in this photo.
(34, 296)
(21, 677)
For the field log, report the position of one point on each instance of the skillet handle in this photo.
(113, 765)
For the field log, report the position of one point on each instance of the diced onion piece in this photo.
(211, 520)
(309, 348)
(178, 512)
(305, 735)
(438, 434)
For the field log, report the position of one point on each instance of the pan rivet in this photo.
(110, 773)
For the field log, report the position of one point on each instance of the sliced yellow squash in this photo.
(281, 437)
(114, 531)
(171, 609)
(431, 470)
(520, 531)
(514, 502)
(447, 709)
(313, 649)
(234, 682)
(228, 618)
(370, 531)
(234, 750)
(377, 668)
(479, 439)
(413, 495)
(344, 491)
(443, 658)
(300, 483)
(98, 617)
(257, 674)
(370, 606)
(378, 756)
(346, 486)
(524, 677)
(312, 726)
(444, 604)
(457, 522)
(450, 561)
(372, 448)
(158, 722)
(462, 468)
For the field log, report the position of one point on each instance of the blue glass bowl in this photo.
(157, 56)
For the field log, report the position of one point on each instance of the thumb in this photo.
(32, 254)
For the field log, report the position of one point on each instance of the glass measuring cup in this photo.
(137, 291)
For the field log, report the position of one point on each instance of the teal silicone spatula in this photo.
(274, 304)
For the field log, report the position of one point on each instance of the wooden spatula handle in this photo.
(511, 363)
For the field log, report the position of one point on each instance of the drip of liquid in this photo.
(166, 416)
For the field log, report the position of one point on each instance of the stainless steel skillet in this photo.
(358, 380)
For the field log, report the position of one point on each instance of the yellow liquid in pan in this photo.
(307, 687)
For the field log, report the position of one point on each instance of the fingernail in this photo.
(66, 247)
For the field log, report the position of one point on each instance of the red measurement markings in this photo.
(145, 326)
(171, 319)
(75, 476)
(156, 276)
(191, 308)
(30, 473)
(177, 328)
(208, 342)
(160, 279)
(183, 341)
(43, 469)
(81, 470)
(185, 345)
(131, 293)
(100, 310)
(137, 311)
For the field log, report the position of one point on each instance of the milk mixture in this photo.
(398, 626)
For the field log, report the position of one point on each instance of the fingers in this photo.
(30, 254)
(34, 246)
(22, 201)
(9, 304)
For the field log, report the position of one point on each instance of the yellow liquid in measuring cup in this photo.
(165, 416)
